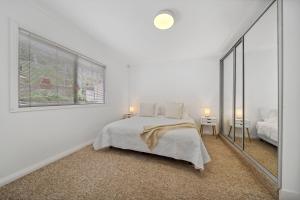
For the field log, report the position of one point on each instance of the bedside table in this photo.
(239, 124)
(128, 115)
(208, 121)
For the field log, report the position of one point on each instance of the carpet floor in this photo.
(121, 174)
(264, 153)
(261, 151)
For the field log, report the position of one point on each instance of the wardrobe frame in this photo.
(277, 180)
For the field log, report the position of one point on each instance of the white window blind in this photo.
(90, 82)
(51, 75)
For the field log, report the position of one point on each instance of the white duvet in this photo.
(181, 144)
(268, 130)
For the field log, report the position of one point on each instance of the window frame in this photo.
(14, 72)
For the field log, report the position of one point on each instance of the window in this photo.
(90, 82)
(50, 75)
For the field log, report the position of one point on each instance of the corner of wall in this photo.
(288, 195)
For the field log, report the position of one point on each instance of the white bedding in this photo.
(181, 144)
(268, 130)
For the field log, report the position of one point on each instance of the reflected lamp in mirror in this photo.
(206, 112)
(239, 113)
(131, 109)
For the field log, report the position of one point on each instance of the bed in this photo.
(268, 131)
(182, 144)
(267, 127)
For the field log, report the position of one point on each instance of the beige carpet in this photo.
(264, 153)
(261, 151)
(120, 174)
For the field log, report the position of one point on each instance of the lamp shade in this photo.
(239, 114)
(131, 109)
(206, 112)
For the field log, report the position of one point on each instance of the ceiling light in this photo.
(164, 20)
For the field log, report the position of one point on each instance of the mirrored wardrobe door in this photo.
(228, 95)
(261, 91)
(239, 133)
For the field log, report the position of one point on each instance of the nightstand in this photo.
(239, 124)
(208, 121)
(128, 115)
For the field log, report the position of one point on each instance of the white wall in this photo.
(195, 82)
(28, 138)
(291, 105)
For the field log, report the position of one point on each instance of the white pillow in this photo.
(157, 109)
(147, 109)
(185, 115)
(272, 120)
(266, 113)
(273, 113)
(174, 110)
(273, 116)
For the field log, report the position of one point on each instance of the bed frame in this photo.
(273, 142)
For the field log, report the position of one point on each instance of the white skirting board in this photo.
(288, 195)
(28, 170)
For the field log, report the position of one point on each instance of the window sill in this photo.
(33, 109)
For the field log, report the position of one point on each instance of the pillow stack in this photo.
(147, 109)
(174, 110)
(171, 110)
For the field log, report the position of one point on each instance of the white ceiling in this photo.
(203, 28)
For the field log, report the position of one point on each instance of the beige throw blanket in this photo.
(152, 134)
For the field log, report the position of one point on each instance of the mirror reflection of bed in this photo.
(261, 90)
(250, 93)
(264, 140)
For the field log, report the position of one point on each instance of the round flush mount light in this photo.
(164, 20)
